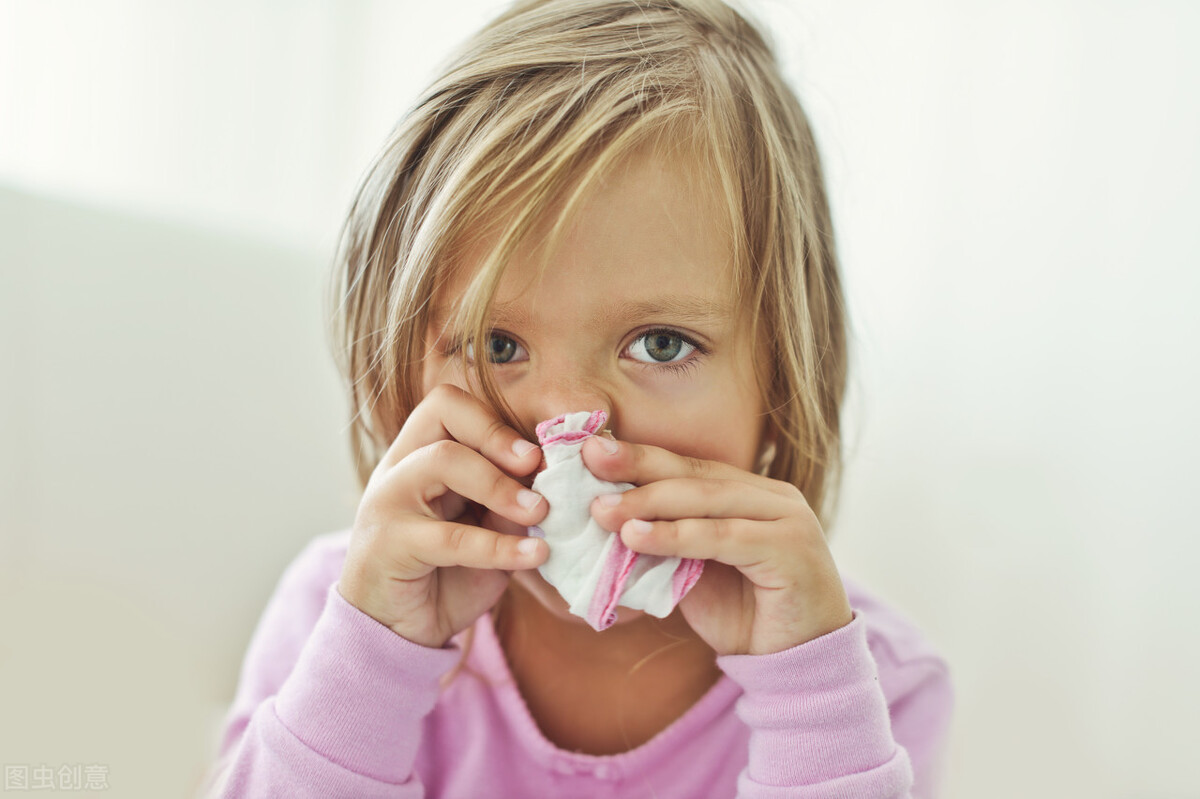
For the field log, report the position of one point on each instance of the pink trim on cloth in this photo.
(602, 612)
(595, 423)
(686, 575)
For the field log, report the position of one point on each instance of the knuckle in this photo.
(502, 486)
(495, 431)
(697, 466)
(723, 529)
(790, 489)
(458, 537)
(405, 563)
(444, 393)
(637, 457)
(443, 451)
(669, 531)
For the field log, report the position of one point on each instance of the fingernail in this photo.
(527, 498)
(609, 499)
(609, 445)
(523, 448)
(638, 526)
(527, 546)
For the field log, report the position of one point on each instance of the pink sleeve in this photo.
(328, 706)
(822, 727)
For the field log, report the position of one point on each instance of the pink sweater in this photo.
(331, 703)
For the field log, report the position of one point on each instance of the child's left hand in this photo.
(770, 582)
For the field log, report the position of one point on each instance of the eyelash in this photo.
(677, 366)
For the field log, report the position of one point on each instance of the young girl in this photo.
(620, 204)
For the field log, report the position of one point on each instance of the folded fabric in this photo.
(591, 567)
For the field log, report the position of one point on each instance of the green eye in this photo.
(663, 346)
(500, 349)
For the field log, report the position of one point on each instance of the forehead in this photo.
(650, 236)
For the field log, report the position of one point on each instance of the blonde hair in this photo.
(524, 117)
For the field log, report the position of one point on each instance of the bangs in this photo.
(529, 168)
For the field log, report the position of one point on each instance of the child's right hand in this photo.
(417, 562)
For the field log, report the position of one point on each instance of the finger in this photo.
(684, 497)
(439, 544)
(741, 543)
(448, 466)
(449, 412)
(645, 463)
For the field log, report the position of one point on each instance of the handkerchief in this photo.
(591, 567)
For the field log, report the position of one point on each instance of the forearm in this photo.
(346, 722)
(819, 721)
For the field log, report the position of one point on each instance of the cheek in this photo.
(726, 440)
(722, 426)
(725, 426)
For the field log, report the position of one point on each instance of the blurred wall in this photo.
(1015, 191)
(172, 435)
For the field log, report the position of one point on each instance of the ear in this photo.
(766, 450)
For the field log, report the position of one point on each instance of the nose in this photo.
(564, 390)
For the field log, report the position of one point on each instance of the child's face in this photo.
(579, 340)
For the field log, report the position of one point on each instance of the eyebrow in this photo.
(687, 309)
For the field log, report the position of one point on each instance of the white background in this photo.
(1016, 200)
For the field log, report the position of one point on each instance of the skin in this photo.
(689, 440)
